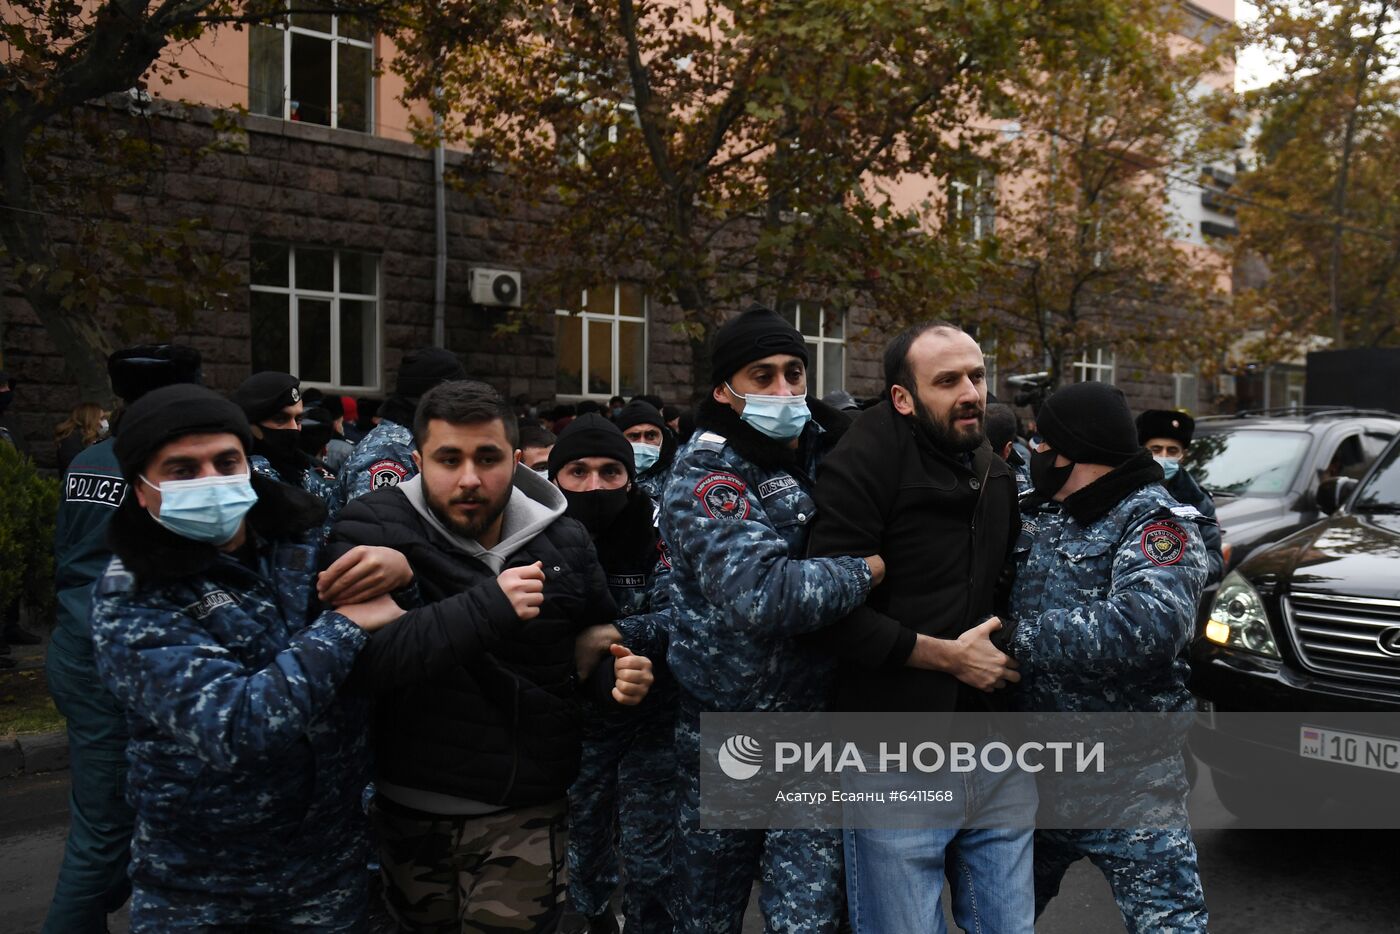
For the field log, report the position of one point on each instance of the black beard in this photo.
(468, 528)
(942, 433)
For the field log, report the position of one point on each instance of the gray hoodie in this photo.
(533, 506)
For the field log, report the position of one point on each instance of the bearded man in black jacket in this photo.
(916, 481)
(477, 724)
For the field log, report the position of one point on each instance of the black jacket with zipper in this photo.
(945, 527)
(471, 701)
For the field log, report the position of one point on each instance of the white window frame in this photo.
(335, 296)
(816, 372)
(974, 201)
(333, 37)
(614, 320)
(1097, 365)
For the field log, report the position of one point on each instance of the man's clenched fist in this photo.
(632, 673)
(524, 588)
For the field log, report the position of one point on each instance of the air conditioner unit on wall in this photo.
(496, 288)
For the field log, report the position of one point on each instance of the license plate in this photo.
(1366, 752)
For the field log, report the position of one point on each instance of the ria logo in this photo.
(1389, 640)
(741, 757)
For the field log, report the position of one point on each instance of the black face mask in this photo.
(596, 509)
(5, 398)
(279, 446)
(1045, 476)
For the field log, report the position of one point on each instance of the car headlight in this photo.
(1238, 620)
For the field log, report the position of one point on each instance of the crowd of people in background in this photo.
(461, 646)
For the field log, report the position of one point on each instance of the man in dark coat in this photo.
(476, 725)
(916, 481)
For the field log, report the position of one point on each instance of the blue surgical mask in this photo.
(644, 455)
(206, 509)
(781, 418)
(1170, 465)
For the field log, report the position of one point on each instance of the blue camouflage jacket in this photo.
(735, 521)
(382, 459)
(314, 481)
(246, 764)
(1104, 603)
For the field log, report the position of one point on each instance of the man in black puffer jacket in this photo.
(476, 727)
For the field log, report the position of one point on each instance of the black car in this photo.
(1264, 468)
(1310, 624)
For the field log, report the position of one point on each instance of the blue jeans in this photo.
(894, 877)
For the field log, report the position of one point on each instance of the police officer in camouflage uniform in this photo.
(620, 806)
(1109, 571)
(1167, 436)
(384, 457)
(735, 518)
(246, 764)
(653, 445)
(272, 402)
(92, 881)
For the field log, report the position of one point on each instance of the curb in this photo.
(33, 753)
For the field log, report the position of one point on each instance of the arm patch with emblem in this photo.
(1164, 542)
(722, 495)
(386, 473)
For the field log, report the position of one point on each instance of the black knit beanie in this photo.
(423, 369)
(757, 333)
(1089, 423)
(591, 435)
(135, 371)
(163, 415)
(637, 413)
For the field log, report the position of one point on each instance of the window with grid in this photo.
(601, 343)
(825, 333)
(313, 68)
(972, 204)
(1095, 366)
(315, 314)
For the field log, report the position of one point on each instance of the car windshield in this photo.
(1246, 461)
(1382, 491)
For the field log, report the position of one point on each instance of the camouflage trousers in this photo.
(337, 906)
(801, 872)
(1152, 873)
(480, 874)
(622, 810)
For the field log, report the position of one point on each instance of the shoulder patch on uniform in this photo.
(93, 488)
(722, 495)
(386, 473)
(1186, 512)
(1164, 542)
(775, 485)
(711, 441)
(210, 602)
(116, 579)
(663, 554)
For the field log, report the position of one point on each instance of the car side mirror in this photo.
(1333, 492)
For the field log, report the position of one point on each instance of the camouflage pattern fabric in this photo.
(337, 906)
(315, 481)
(483, 874)
(382, 459)
(741, 588)
(801, 872)
(1153, 874)
(1103, 613)
(653, 481)
(246, 764)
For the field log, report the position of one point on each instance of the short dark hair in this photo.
(464, 402)
(535, 436)
(1002, 425)
(898, 372)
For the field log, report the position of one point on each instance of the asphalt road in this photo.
(1281, 882)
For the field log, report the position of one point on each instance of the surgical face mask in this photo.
(645, 456)
(1170, 465)
(1045, 476)
(206, 509)
(781, 418)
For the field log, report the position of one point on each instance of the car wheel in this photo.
(1253, 801)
